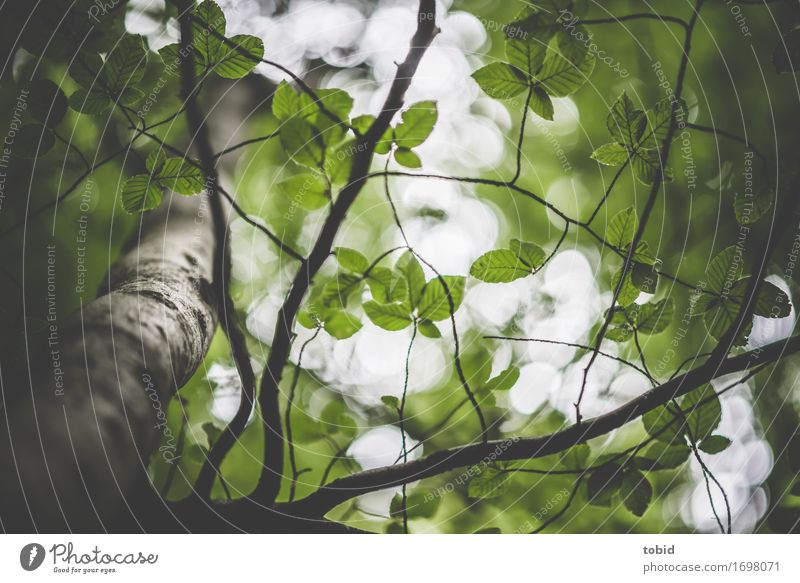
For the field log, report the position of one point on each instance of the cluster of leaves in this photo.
(316, 132)
(231, 58)
(313, 132)
(542, 58)
(63, 35)
(104, 82)
(417, 124)
(673, 431)
(400, 296)
(142, 192)
(724, 296)
(638, 136)
(641, 275)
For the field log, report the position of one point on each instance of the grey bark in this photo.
(72, 454)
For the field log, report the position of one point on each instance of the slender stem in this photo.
(401, 412)
(649, 204)
(288, 415)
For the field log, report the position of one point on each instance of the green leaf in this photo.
(414, 277)
(419, 504)
(339, 163)
(720, 314)
(702, 420)
(86, 69)
(664, 423)
(566, 67)
(380, 281)
(140, 193)
(724, 270)
(341, 324)
(503, 381)
(407, 158)
(612, 154)
(89, 102)
(302, 143)
(541, 104)
(660, 455)
(636, 492)
(772, 301)
(644, 278)
(307, 190)
(646, 166)
(659, 118)
(487, 484)
(531, 254)
(391, 401)
(628, 293)
(351, 259)
(749, 209)
(48, 104)
(308, 319)
(336, 101)
(390, 317)
(336, 417)
(714, 444)
(416, 125)
(622, 228)
(603, 485)
(337, 291)
(155, 161)
(285, 102)
(619, 334)
(434, 304)
(207, 27)
(576, 457)
(654, 318)
(429, 329)
(181, 176)
(362, 123)
(499, 266)
(625, 122)
(501, 80)
(526, 54)
(131, 96)
(235, 63)
(125, 64)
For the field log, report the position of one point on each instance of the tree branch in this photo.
(270, 480)
(338, 491)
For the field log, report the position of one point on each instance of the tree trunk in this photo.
(83, 415)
